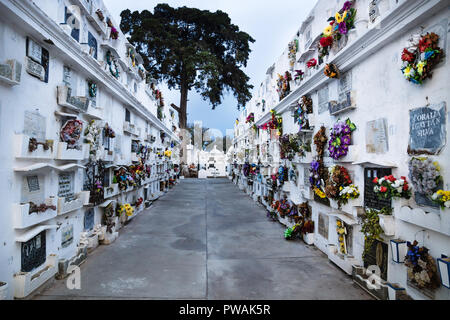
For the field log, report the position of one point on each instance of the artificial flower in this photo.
(407, 56)
(328, 31)
(311, 63)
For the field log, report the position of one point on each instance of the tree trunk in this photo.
(183, 106)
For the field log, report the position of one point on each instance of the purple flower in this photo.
(343, 27)
(346, 140)
(347, 5)
(315, 165)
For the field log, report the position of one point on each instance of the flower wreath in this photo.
(92, 89)
(109, 132)
(419, 58)
(299, 75)
(320, 140)
(422, 269)
(113, 68)
(339, 186)
(317, 175)
(71, 132)
(340, 138)
(331, 71)
(424, 175)
(92, 136)
(250, 118)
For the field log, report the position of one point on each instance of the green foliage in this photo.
(192, 49)
(371, 227)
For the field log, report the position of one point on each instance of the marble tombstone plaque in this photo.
(377, 136)
(427, 129)
(67, 236)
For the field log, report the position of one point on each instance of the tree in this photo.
(191, 49)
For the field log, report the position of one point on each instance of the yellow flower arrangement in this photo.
(320, 193)
(129, 209)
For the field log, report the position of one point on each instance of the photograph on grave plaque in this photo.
(427, 129)
(33, 252)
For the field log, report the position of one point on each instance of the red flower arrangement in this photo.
(326, 41)
(311, 63)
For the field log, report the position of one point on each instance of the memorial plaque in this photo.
(323, 225)
(6, 71)
(323, 99)
(35, 69)
(336, 107)
(34, 125)
(34, 50)
(89, 219)
(427, 129)
(33, 190)
(66, 186)
(67, 236)
(33, 252)
(377, 136)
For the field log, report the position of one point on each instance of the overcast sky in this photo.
(271, 23)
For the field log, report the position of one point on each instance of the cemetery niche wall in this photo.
(63, 109)
(397, 154)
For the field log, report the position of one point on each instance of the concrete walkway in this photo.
(206, 239)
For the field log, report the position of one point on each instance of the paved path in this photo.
(206, 239)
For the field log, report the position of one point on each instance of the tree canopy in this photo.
(192, 49)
